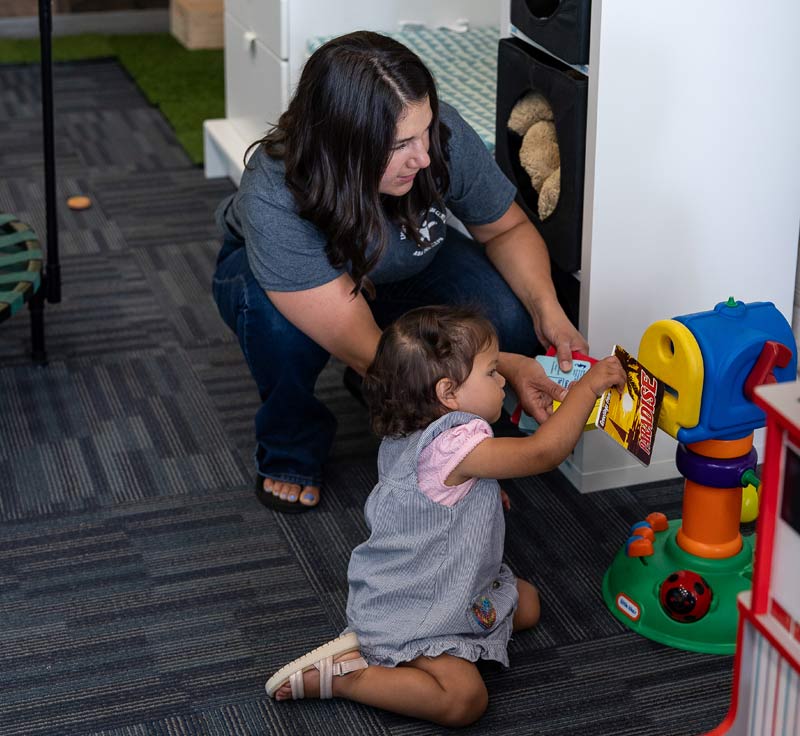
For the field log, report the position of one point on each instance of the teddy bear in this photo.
(532, 119)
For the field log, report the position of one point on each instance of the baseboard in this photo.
(620, 477)
(600, 477)
(71, 24)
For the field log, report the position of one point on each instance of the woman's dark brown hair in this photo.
(336, 139)
(414, 352)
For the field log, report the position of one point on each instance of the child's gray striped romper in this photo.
(430, 579)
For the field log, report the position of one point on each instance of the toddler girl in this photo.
(429, 592)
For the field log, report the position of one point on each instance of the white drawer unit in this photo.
(265, 48)
(268, 20)
(260, 81)
(257, 82)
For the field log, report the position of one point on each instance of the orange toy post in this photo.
(711, 515)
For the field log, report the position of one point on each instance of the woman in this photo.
(342, 214)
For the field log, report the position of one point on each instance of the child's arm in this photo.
(549, 446)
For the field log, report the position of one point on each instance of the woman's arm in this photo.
(334, 319)
(549, 446)
(519, 253)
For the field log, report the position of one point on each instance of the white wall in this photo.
(692, 176)
(796, 314)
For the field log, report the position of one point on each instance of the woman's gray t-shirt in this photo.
(287, 252)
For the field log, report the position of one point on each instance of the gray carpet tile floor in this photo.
(143, 589)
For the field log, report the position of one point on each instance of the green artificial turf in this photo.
(187, 86)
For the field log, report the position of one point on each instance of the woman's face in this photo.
(410, 150)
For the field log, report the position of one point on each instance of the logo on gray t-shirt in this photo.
(431, 231)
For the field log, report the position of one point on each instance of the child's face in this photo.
(482, 393)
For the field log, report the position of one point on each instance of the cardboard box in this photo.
(197, 24)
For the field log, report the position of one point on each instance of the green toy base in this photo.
(631, 589)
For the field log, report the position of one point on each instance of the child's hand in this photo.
(604, 374)
(505, 500)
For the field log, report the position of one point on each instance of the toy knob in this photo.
(658, 521)
(749, 504)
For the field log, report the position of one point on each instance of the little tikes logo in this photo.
(628, 607)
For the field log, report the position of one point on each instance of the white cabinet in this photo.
(692, 179)
(265, 48)
(254, 66)
(267, 19)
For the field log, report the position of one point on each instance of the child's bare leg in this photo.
(505, 500)
(444, 689)
(527, 614)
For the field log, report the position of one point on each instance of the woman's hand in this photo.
(553, 328)
(535, 391)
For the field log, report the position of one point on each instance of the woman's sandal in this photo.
(271, 501)
(321, 658)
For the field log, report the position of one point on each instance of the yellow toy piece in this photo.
(590, 421)
(670, 351)
(749, 503)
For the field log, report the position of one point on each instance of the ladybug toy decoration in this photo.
(685, 596)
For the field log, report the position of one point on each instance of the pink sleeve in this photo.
(443, 455)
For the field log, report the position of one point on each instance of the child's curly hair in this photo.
(414, 352)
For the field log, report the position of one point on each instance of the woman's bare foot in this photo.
(308, 495)
(311, 680)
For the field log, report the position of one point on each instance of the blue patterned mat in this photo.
(464, 64)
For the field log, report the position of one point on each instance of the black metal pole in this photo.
(36, 305)
(53, 270)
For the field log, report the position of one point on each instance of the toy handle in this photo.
(576, 355)
(749, 478)
(773, 355)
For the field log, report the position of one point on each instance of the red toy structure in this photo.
(766, 687)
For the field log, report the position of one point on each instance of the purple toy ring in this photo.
(713, 471)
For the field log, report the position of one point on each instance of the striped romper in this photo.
(430, 579)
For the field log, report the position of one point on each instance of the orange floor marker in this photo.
(79, 202)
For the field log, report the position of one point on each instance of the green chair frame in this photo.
(24, 276)
(21, 277)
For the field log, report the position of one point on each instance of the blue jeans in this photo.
(294, 429)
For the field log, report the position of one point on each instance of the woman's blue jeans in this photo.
(294, 429)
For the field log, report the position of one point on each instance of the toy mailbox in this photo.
(711, 361)
(676, 582)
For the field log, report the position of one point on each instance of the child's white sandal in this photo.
(321, 658)
(328, 669)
